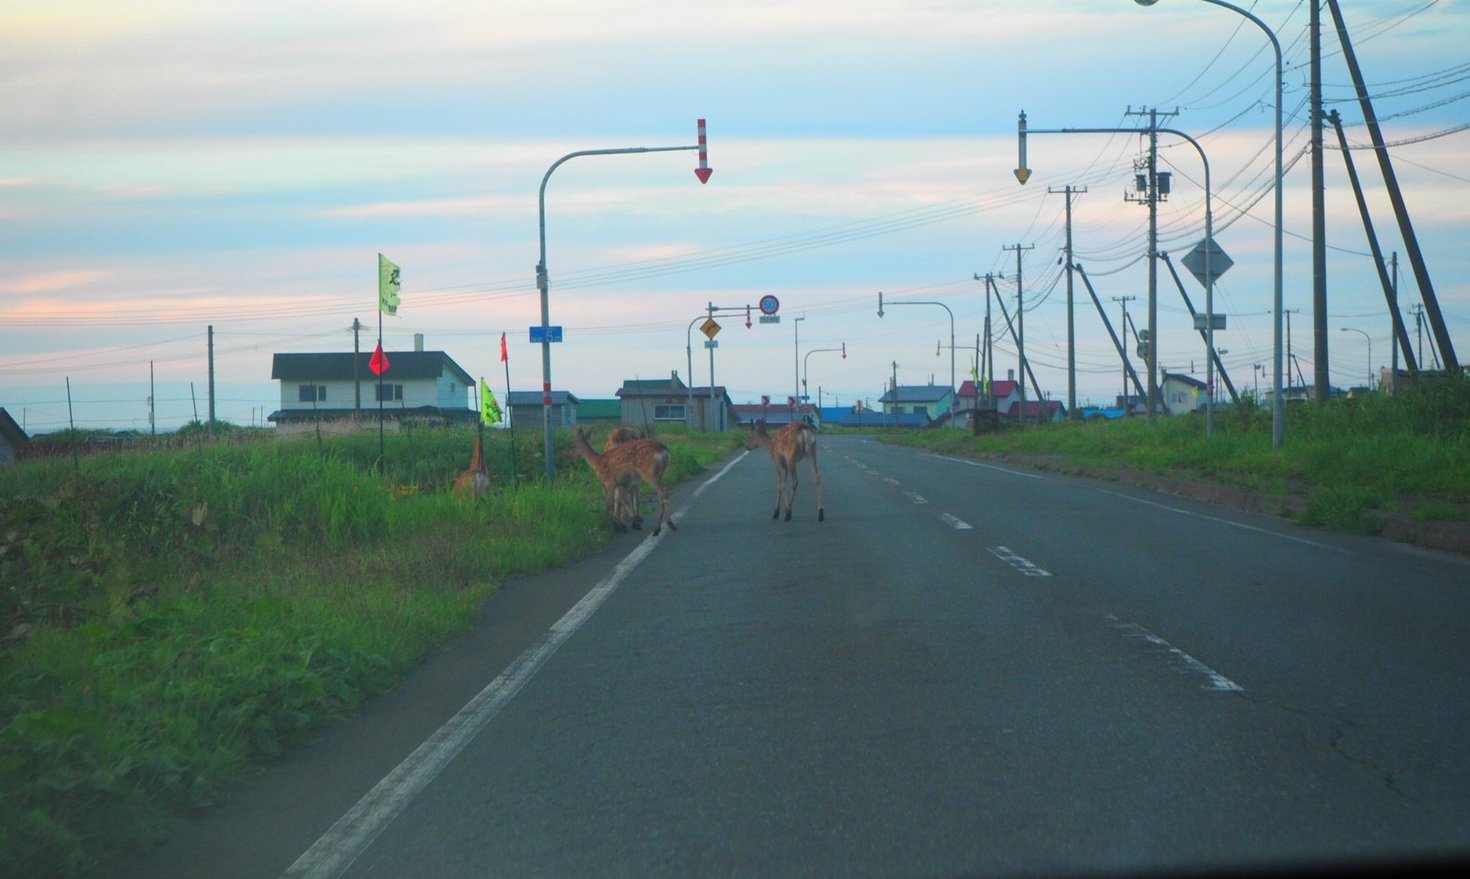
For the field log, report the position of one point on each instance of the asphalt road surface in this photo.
(965, 670)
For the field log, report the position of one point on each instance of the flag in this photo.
(378, 363)
(504, 355)
(489, 409)
(387, 286)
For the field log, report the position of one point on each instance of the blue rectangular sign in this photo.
(545, 334)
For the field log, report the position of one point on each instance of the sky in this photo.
(167, 167)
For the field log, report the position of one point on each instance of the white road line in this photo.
(969, 463)
(916, 497)
(1240, 525)
(343, 843)
(890, 479)
(953, 522)
(1017, 562)
(1215, 680)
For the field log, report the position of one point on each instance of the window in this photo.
(388, 393)
(668, 411)
(311, 393)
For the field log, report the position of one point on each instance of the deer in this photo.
(625, 498)
(622, 466)
(788, 445)
(474, 482)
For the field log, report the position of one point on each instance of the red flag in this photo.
(378, 363)
(504, 356)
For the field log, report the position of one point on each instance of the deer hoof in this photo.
(788, 515)
(821, 515)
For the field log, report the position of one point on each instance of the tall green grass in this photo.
(1407, 452)
(167, 617)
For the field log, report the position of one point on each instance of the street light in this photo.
(1278, 402)
(796, 363)
(1370, 350)
(543, 283)
(951, 333)
(808, 357)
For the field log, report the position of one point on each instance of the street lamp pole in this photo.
(951, 333)
(805, 360)
(543, 283)
(1278, 403)
(1370, 350)
(796, 363)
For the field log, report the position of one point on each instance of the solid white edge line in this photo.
(345, 841)
(1241, 525)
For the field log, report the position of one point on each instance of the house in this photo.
(775, 411)
(420, 386)
(1181, 393)
(932, 401)
(648, 402)
(13, 438)
(528, 409)
(1003, 394)
(1036, 411)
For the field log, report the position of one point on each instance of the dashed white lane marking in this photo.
(890, 480)
(1028, 568)
(916, 497)
(1187, 664)
(954, 522)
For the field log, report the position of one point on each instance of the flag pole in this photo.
(509, 422)
(381, 457)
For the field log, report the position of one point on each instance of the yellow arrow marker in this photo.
(1022, 174)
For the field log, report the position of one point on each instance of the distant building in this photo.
(418, 386)
(13, 439)
(1181, 393)
(647, 402)
(931, 401)
(527, 409)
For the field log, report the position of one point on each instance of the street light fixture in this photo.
(808, 357)
(1278, 402)
(543, 283)
(951, 333)
(1370, 350)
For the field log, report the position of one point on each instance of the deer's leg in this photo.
(791, 498)
(817, 479)
(780, 490)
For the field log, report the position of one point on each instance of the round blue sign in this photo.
(770, 304)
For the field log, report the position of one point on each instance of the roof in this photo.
(999, 388)
(1183, 379)
(1032, 409)
(12, 432)
(533, 398)
(333, 366)
(611, 409)
(917, 394)
(639, 387)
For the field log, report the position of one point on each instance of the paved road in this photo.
(965, 670)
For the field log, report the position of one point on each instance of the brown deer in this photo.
(788, 445)
(622, 466)
(625, 497)
(474, 482)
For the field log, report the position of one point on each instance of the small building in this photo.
(648, 402)
(418, 386)
(528, 409)
(13, 439)
(1036, 411)
(1181, 393)
(599, 413)
(932, 401)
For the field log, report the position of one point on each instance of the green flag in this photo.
(387, 286)
(489, 409)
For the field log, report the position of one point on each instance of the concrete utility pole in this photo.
(1072, 412)
(1020, 325)
(1151, 198)
(1123, 327)
(1320, 379)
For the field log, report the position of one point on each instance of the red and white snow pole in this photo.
(704, 170)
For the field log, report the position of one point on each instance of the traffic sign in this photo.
(770, 304)
(770, 318)
(545, 334)
(710, 328)
(1201, 324)
(1220, 262)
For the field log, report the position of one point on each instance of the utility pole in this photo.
(1020, 325)
(356, 383)
(1151, 196)
(1320, 380)
(1124, 300)
(1071, 328)
(211, 379)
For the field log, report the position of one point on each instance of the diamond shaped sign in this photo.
(1220, 262)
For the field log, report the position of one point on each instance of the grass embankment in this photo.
(1349, 458)
(166, 617)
